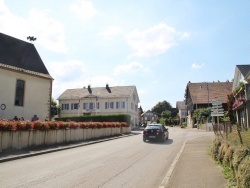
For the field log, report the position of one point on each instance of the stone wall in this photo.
(26, 139)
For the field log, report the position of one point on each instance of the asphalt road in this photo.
(125, 162)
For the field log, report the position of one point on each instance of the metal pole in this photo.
(208, 102)
(207, 96)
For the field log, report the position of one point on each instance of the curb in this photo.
(11, 158)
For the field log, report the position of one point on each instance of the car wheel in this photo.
(144, 140)
(163, 139)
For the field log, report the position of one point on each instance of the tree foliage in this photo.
(161, 106)
(55, 108)
(140, 111)
(230, 112)
(201, 113)
(166, 114)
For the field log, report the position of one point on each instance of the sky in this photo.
(156, 45)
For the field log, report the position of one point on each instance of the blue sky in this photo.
(156, 45)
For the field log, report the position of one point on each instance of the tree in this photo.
(230, 112)
(54, 108)
(166, 114)
(201, 113)
(140, 111)
(161, 106)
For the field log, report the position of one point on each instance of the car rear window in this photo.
(153, 127)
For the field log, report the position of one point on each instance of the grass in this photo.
(233, 138)
(228, 172)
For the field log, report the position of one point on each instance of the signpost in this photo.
(217, 109)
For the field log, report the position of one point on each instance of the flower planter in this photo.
(22, 139)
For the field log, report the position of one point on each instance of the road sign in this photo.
(217, 109)
(216, 115)
(217, 106)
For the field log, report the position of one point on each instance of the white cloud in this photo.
(49, 32)
(155, 40)
(74, 74)
(197, 66)
(110, 32)
(69, 74)
(132, 67)
(66, 69)
(84, 9)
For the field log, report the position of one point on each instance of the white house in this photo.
(100, 101)
(25, 83)
(182, 111)
(148, 117)
(242, 95)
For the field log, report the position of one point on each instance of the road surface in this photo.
(121, 163)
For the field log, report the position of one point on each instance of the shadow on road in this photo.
(167, 142)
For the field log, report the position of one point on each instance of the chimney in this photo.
(89, 89)
(108, 88)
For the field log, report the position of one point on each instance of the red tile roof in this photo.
(199, 92)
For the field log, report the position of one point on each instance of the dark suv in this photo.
(155, 132)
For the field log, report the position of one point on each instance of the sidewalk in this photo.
(195, 168)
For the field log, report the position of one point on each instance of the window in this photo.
(65, 106)
(136, 108)
(123, 104)
(112, 105)
(117, 105)
(19, 92)
(76, 106)
(85, 106)
(132, 106)
(91, 105)
(106, 105)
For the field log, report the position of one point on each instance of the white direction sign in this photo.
(217, 114)
(217, 106)
(217, 109)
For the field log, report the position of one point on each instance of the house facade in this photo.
(200, 95)
(148, 117)
(26, 83)
(241, 92)
(101, 101)
(182, 112)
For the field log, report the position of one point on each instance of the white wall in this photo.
(36, 95)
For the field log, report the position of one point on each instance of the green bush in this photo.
(235, 161)
(215, 148)
(184, 124)
(243, 175)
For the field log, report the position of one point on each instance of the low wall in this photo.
(26, 139)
